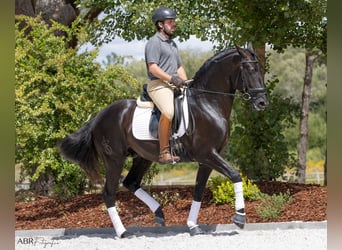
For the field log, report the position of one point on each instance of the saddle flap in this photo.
(144, 95)
(177, 118)
(154, 122)
(144, 100)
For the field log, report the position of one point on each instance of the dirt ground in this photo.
(309, 203)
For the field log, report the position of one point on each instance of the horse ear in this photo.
(250, 46)
(241, 51)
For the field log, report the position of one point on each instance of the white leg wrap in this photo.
(194, 210)
(239, 201)
(118, 226)
(147, 199)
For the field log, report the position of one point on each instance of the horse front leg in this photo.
(220, 165)
(201, 180)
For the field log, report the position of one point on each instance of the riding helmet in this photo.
(163, 13)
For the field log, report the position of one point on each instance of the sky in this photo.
(136, 48)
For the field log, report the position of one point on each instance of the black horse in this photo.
(108, 137)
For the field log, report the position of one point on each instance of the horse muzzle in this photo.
(258, 98)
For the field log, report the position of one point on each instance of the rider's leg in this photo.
(163, 97)
(164, 131)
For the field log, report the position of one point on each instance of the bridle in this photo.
(249, 94)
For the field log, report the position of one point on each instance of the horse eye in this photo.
(252, 69)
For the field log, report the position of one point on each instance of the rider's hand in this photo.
(177, 81)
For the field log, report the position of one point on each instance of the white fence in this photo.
(313, 177)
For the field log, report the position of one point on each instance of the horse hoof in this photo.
(159, 217)
(195, 230)
(160, 221)
(239, 220)
(127, 235)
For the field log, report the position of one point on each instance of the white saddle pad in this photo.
(141, 120)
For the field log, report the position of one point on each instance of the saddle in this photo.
(145, 100)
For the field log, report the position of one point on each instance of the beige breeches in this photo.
(162, 95)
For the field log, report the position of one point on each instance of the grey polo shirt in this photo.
(164, 53)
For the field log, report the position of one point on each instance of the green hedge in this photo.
(223, 190)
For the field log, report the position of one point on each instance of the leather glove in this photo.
(177, 81)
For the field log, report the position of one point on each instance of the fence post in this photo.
(318, 177)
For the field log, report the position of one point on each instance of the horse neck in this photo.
(220, 76)
(221, 79)
(218, 101)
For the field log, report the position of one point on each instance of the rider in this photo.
(165, 70)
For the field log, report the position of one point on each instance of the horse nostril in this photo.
(262, 104)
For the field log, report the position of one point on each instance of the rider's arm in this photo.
(161, 74)
(155, 70)
(181, 73)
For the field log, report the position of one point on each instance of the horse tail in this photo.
(79, 147)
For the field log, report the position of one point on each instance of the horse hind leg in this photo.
(114, 166)
(133, 183)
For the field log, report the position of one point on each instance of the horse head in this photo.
(251, 82)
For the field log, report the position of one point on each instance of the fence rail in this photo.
(313, 178)
(316, 177)
(22, 186)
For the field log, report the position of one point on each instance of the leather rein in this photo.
(246, 95)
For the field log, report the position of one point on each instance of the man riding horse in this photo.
(108, 139)
(165, 70)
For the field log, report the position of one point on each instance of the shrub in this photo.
(272, 206)
(57, 90)
(70, 181)
(223, 190)
(166, 198)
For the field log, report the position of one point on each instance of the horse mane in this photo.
(212, 60)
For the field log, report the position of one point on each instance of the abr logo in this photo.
(25, 241)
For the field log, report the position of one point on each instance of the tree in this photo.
(289, 67)
(224, 22)
(313, 22)
(57, 91)
(304, 118)
(62, 11)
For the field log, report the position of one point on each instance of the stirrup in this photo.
(171, 159)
